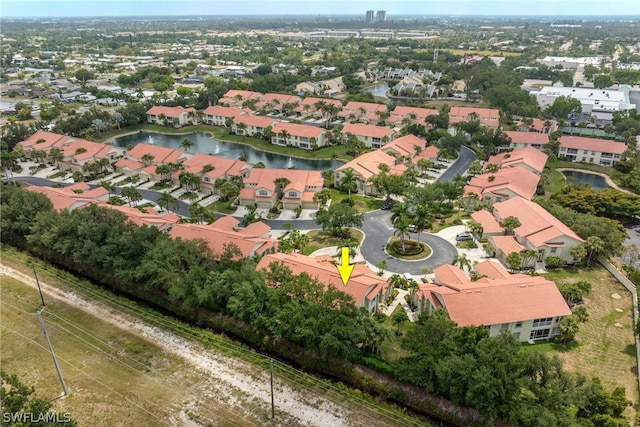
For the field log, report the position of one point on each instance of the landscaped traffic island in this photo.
(412, 250)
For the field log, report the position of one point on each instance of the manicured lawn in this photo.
(394, 248)
(319, 239)
(222, 207)
(335, 151)
(361, 203)
(449, 221)
(605, 343)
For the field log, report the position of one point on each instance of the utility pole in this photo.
(273, 407)
(53, 355)
(35, 274)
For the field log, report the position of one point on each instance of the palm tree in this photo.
(568, 329)
(422, 218)
(56, 155)
(147, 159)
(109, 186)
(283, 135)
(164, 171)
(400, 212)
(349, 181)
(167, 201)
(186, 144)
(161, 118)
(402, 231)
(475, 228)
(462, 262)
(594, 245)
(528, 256)
(281, 183)
(424, 164)
(199, 213)
(329, 177)
(9, 161)
(509, 224)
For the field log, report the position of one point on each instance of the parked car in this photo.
(387, 206)
(464, 236)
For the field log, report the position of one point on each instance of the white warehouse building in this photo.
(601, 103)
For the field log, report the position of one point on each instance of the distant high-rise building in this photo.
(381, 16)
(369, 17)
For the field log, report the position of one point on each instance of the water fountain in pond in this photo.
(289, 163)
(217, 151)
(150, 139)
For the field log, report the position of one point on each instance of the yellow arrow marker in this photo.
(345, 269)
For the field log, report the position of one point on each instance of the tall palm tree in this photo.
(186, 144)
(594, 245)
(349, 181)
(462, 262)
(56, 155)
(402, 231)
(422, 218)
(400, 212)
(164, 171)
(167, 201)
(109, 186)
(509, 224)
(147, 159)
(280, 184)
(284, 135)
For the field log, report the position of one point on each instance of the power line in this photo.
(300, 379)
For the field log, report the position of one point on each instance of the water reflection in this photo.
(204, 143)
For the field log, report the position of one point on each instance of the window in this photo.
(539, 334)
(504, 326)
(206, 179)
(292, 194)
(555, 331)
(542, 322)
(554, 250)
(559, 318)
(516, 335)
(375, 139)
(518, 324)
(263, 193)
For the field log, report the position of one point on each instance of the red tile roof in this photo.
(220, 234)
(500, 298)
(592, 144)
(66, 198)
(528, 137)
(296, 129)
(518, 180)
(367, 130)
(538, 225)
(363, 283)
(531, 157)
(221, 111)
(370, 107)
(172, 112)
(256, 121)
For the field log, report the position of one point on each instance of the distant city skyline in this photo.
(83, 8)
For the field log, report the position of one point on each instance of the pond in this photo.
(596, 182)
(379, 90)
(204, 143)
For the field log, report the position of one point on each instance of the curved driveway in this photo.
(376, 226)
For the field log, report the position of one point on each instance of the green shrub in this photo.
(554, 262)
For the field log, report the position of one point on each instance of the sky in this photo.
(79, 8)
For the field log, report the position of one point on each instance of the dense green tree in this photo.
(338, 218)
(18, 399)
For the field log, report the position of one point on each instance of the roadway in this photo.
(376, 226)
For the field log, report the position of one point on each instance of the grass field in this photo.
(361, 203)
(319, 239)
(605, 344)
(118, 379)
(114, 378)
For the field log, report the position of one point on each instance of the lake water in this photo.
(378, 90)
(203, 143)
(595, 181)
